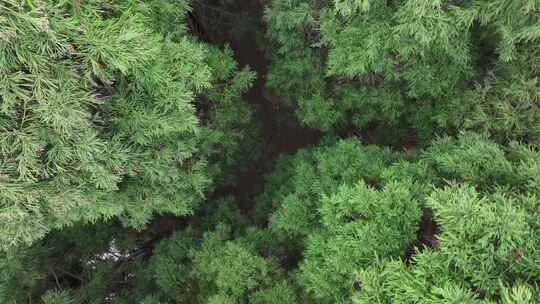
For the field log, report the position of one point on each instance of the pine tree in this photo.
(109, 116)
(429, 66)
(98, 121)
(129, 152)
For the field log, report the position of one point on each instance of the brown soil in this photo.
(240, 26)
(426, 236)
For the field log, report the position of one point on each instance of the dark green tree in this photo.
(428, 66)
(132, 161)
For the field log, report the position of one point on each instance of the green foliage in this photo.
(486, 242)
(230, 133)
(216, 269)
(61, 297)
(228, 267)
(472, 186)
(471, 159)
(315, 172)
(359, 224)
(434, 66)
(169, 270)
(98, 116)
(63, 140)
(281, 292)
(505, 107)
(481, 253)
(129, 154)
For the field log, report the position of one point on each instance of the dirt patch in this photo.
(241, 26)
(426, 236)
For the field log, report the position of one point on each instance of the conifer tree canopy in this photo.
(269, 152)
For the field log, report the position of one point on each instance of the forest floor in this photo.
(242, 27)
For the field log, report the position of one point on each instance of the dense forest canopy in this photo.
(270, 151)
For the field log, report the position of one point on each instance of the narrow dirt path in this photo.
(242, 26)
(239, 26)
